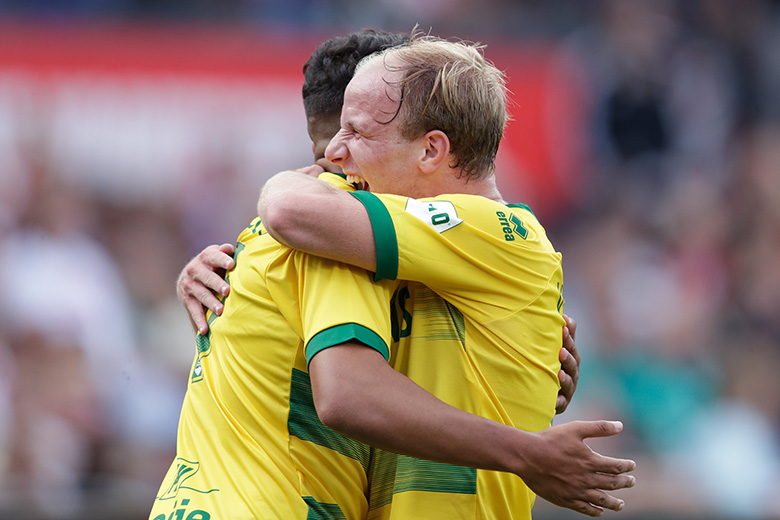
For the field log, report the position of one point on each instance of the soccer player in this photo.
(418, 122)
(479, 448)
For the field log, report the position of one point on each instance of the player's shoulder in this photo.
(448, 211)
(476, 207)
(254, 241)
(253, 230)
(515, 221)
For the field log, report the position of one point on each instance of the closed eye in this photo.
(353, 131)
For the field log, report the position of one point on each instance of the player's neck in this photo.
(485, 187)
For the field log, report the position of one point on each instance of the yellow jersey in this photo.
(250, 444)
(483, 335)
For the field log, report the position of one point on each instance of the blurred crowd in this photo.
(671, 259)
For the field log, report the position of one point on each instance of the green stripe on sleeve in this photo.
(385, 238)
(343, 333)
(522, 206)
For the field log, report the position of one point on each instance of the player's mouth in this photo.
(359, 182)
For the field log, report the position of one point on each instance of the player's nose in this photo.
(336, 151)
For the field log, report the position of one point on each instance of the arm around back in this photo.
(358, 394)
(310, 215)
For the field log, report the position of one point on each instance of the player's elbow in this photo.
(333, 417)
(279, 217)
(288, 220)
(336, 412)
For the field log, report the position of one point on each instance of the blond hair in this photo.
(451, 87)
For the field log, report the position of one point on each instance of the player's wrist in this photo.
(521, 446)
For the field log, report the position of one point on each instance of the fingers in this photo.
(601, 463)
(568, 338)
(584, 484)
(601, 501)
(228, 249)
(569, 371)
(206, 298)
(217, 257)
(206, 269)
(571, 324)
(598, 498)
(197, 315)
(566, 392)
(589, 429)
(200, 281)
(612, 466)
(204, 284)
(561, 404)
(585, 508)
(595, 501)
(195, 296)
(613, 482)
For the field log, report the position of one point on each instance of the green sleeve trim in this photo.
(343, 333)
(521, 205)
(385, 239)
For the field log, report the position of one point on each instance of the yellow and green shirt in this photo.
(483, 335)
(250, 444)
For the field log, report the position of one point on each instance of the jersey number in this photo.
(439, 214)
(401, 319)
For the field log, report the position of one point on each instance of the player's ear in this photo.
(436, 150)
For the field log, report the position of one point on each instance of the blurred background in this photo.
(645, 135)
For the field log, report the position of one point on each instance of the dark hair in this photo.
(331, 66)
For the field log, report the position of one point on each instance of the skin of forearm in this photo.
(304, 213)
(359, 395)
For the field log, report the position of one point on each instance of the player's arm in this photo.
(201, 280)
(358, 394)
(310, 215)
(307, 214)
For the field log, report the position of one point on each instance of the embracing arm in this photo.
(359, 395)
(310, 215)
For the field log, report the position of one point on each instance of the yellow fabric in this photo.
(250, 445)
(484, 335)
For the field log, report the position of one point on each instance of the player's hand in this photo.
(201, 280)
(313, 171)
(563, 470)
(570, 366)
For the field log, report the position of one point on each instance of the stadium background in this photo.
(645, 135)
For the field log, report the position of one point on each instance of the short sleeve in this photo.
(341, 303)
